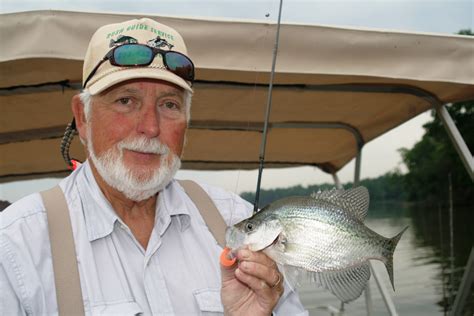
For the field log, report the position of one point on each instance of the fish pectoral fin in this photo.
(346, 284)
(293, 276)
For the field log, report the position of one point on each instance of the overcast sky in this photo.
(379, 156)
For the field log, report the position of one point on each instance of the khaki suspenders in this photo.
(207, 208)
(66, 274)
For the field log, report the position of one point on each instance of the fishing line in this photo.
(232, 209)
(267, 112)
(253, 100)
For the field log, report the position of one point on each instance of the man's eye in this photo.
(171, 106)
(124, 101)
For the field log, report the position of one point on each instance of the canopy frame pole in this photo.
(267, 114)
(358, 162)
(337, 182)
(457, 139)
(368, 300)
(387, 298)
(466, 283)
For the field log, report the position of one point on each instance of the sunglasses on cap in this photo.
(139, 55)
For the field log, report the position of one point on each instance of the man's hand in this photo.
(253, 286)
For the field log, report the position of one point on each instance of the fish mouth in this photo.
(234, 238)
(256, 241)
(273, 243)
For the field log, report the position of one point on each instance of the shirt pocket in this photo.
(119, 309)
(209, 301)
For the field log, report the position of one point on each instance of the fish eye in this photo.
(249, 226)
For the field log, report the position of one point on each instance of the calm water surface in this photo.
(422, 268)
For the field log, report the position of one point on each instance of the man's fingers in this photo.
(270, 275)
(259, 286)
(260, 257)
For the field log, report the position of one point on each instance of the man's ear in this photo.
(79, 115)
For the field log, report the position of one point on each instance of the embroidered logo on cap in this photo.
(159, 42)
(123, 39)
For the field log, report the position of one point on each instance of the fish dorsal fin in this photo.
(327, 195)
(354, 200)
(346, 284)
(357, 200)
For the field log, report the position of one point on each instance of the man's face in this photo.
(135, 135)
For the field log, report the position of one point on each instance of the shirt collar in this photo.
(98, 213)
(100, 217)
(171, 204)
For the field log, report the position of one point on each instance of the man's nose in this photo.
(149, 121)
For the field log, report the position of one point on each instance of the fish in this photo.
(123, 39)
(322, 236)
(159, 42)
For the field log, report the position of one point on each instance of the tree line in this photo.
(386, 188)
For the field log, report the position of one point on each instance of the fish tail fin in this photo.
(387, 254)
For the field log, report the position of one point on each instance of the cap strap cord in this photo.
(66, 142)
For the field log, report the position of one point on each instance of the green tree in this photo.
(466, 32)
(433, 159)
(387, 187)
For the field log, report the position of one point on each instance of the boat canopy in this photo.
(334, 90)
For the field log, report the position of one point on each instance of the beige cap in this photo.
(142, 31)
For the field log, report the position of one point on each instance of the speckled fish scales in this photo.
(323, 235)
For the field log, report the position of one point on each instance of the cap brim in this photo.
(124, 74)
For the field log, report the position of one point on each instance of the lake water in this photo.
(422, 269)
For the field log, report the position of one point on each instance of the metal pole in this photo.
(337, 182)
(368, 296)
(466, 283)
(357, 165)
(441, 238)
(451, 241)
(267, 114)
(368, 299)
(383, 291)
(456, 138)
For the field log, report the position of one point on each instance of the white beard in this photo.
(135, 185)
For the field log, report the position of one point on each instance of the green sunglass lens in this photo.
(129, 55)
(180, 65)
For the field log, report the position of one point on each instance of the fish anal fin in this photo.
(347, 284)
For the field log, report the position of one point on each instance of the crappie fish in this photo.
(323, 234)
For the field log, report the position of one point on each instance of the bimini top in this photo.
(335, 89)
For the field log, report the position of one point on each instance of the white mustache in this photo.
(144, 145)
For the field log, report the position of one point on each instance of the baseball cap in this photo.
(137, 31)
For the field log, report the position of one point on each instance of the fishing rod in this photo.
(267, 113)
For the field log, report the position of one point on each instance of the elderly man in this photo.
(141, 244)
